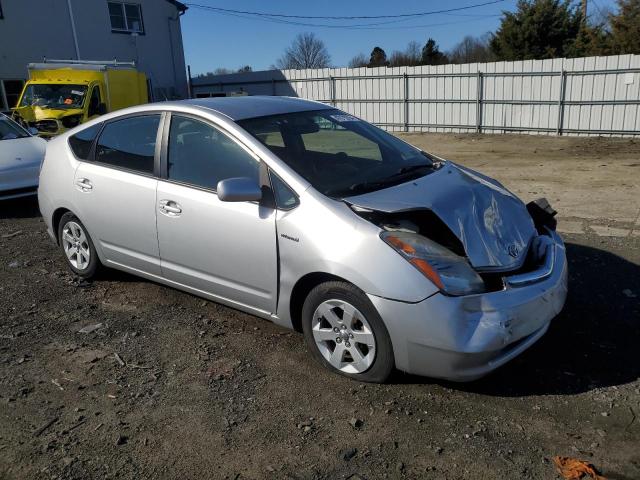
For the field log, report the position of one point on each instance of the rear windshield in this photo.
(339, 154)
(10, 130)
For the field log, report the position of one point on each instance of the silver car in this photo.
(383, 255)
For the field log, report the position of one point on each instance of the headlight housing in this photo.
(449, 272)
(71, 120)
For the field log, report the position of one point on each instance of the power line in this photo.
(360, 26)
(364, 26)
(430, 25)
(353, 17)
(305, 24)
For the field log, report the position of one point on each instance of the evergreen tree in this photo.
(625, 27)
(378, 58)
(537, 29)
(431, 54)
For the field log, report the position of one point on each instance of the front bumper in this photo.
(465, 338)
(48, 128)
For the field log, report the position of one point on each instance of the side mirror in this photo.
(102, 109)
(32, 131)
(240, 189)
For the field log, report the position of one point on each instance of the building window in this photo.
(1, 14)
(126, 17)
(10, 91)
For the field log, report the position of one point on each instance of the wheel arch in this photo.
(55, 221)
(301, 290)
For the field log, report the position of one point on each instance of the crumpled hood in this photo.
(31, 114)
(492, 224)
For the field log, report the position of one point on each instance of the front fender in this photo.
(326, 236)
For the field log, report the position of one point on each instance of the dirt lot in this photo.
(172, 386)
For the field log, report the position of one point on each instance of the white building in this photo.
(145, 31)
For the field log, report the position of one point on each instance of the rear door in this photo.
(116, 192)
(227, 249)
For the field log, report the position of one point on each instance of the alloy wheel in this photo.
(76, 245)
(343, 336)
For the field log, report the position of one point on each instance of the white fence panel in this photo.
(580, 96)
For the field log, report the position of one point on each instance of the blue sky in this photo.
(213, 40)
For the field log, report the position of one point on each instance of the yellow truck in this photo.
(61, 94)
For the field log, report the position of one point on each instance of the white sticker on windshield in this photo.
(77, 92)
(345, 118)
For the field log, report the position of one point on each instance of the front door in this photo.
(226, 249)
(116, 193)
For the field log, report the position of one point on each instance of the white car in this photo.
(21, 155)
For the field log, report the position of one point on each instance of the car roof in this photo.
(240, 108)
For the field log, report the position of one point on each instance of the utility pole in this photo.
(73, 30)
(584, 11)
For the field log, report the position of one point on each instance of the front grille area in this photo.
(538, 260)
(50, 126)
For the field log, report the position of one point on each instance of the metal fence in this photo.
(579, 96)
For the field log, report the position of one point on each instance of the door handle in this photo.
(84, 184)
(170, 208)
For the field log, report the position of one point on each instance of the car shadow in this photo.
(593, 343)
(23, 207)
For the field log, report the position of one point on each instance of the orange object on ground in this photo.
(574, 469)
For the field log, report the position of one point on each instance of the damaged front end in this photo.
(48, 122)
(499, 266)
(465, 232)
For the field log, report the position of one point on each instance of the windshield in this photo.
(54, 96)
(340, 155)
(10, 130)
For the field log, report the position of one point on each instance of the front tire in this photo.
(346, 334)
(77, 246)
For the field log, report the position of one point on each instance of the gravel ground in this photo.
(123, 378)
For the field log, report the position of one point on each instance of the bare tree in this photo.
(411, 56)
(359, 60)
(413, 52)
(472, 49)
(306, 51)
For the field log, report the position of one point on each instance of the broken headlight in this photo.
(451, 273)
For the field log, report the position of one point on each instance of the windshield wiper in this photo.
(411, 168)
(406, 171)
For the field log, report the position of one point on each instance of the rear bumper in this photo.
(465, 338)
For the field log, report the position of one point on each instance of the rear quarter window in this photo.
(82, 141)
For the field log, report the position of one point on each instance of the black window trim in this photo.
(156, 156)
(164, 157)
(126, 31)
(275, 198)
(1, 13)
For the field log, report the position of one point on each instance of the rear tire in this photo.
(77, 247)
(346, 334)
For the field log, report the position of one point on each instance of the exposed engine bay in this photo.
(426, 223)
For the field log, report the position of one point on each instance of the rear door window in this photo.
(82, 141)
(129, 143)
